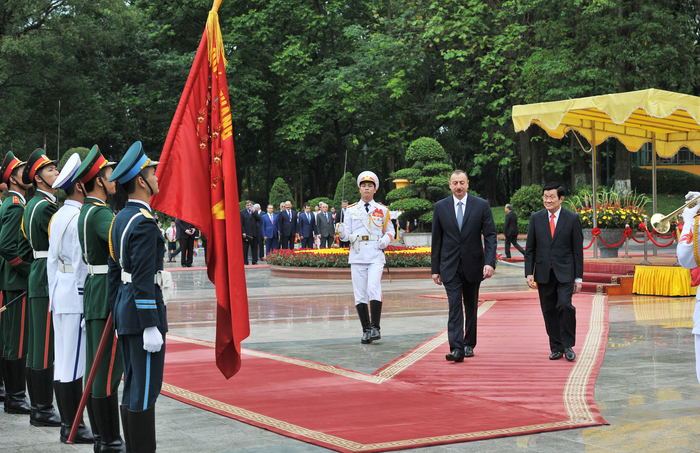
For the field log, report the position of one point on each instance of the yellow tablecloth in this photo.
(662, 281)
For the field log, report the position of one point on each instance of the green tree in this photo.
(279, 193)
(351, 192)
(428, 182)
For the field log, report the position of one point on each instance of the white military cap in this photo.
(64, 180)
(368, 176)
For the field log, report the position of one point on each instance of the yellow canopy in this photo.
(634, 118)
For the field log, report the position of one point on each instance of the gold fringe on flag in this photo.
(213, 21)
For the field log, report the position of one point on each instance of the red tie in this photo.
(551, 224)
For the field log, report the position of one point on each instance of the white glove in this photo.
(384, 241)
(341, 228)
(82, 324)
(690, 195)
(152, 339)
(689, 214)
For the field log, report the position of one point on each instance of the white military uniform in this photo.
(66, 274)
(369, 230)
(686, 257)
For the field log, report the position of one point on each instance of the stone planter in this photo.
(610, 236)
(343, 273)
(418, 239)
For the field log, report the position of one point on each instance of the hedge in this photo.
(522, 226)
(667, 180)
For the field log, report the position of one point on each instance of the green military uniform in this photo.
(35, 225)
(37, 215)
(16, 257)
(94, 223)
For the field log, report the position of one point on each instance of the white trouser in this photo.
(367, 282)
(69, 347)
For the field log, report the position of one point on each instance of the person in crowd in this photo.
(270, 229)
(185, 236)
(259, 235)
(249, 228)
(325, 229)
(586, 203)
(136, 280)
(41, 173)
(460, 260)
(510, 230)
(306, 227)
(287, 226)
(66, 274)
(554, 265)
(341, 218)
(368, 228)
(171, 236)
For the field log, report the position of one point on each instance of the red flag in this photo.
(197, 182)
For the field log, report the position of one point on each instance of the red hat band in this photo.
(13, 164)
(99, 163)
(41, 161)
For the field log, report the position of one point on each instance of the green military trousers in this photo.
(40, 354)
(111, 367)
(15, 325)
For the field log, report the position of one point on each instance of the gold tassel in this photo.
(213, 25)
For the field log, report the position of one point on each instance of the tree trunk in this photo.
(623, 180)
(525, 157)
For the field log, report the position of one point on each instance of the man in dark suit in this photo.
(510, 230)
(461, 261)
(306, 227)
(325, 228)
(270, 229)
(554, 265)
(259, 236)
(185, 236)
(249, 228)
(288, 226)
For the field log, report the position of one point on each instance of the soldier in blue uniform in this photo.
(135, 277)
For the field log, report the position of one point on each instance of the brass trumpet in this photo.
(662, 223)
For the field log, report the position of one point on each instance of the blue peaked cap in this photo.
(131, 165)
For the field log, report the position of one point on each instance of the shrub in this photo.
(526, 200)
(352, 192)
(667, 180)
(522, 226)
(317, 200)
(280, 192)
(428, 182)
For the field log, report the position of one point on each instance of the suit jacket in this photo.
(270, 228)
(288, 227)
(249, 223)
(563, 252)
(339, 216)
(180, 227)
(305, 227)
(510, 227)
(325, 227)
(450, 245)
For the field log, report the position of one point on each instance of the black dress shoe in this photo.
(455, 356)
(468, 351)
(570, 354)
(556, 355)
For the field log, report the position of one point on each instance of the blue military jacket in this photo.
(138, 304)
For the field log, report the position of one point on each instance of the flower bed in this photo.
(612, 216)
(338, 257)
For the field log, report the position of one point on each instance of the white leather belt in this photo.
(98, 270)
(371, 237)
(40, 254)
(126, 277)
(65, 268)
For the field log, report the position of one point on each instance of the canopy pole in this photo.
(594, 196)
(653, 181)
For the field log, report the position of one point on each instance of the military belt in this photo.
(65, 268)
(126, 277)
(40, 254)
(98, 270)
(371, 237)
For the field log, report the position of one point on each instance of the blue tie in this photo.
(460, 215)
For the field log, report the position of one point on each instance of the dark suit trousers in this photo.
(326, 242)
(287, 242)
(187, 247)
(513, 240)
(270, 245)
(461, 292)
(261, 244)
(253, 249)
(307, 242)
(559, 314)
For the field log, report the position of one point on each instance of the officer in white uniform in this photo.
(66, 273)
(689, 258)
(368, 228)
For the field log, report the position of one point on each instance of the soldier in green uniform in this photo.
(94, 222)
(41, 172)
(15, 265)
(3, 188)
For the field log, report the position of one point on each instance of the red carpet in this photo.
(509, 388)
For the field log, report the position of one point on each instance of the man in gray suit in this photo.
(325, 227)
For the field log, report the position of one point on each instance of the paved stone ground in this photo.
(646, 389)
